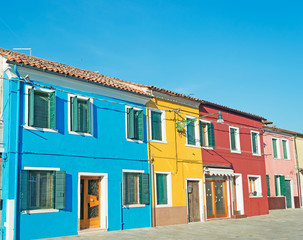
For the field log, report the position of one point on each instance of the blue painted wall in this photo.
(107, 151)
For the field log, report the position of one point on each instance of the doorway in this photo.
(193, 201)
(216, 197)
(90, 204)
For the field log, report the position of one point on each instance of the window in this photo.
(285, 147)
(280, 185)
(134, 124)
(41, 108)
(157, 125)
(254, 184)
(135, 188)
(255, 141)
(163, 188)
(234, 139)
(276, 148)
(42, 190)
(207, 136)
(192, 132)
(268, 185)
(80, 114)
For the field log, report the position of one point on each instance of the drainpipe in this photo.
(298, 172)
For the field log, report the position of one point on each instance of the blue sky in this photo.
(243, 54)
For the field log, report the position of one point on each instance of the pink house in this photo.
(282, 187)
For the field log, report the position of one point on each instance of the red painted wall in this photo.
(244, 162)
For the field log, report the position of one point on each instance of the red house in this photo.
(234, 163)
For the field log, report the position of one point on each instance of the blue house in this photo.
(74, 150)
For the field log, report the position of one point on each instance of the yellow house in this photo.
(298, 148)
(176, 158)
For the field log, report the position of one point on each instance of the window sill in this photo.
(50, 210)
(157, 141)
(287, 159)
(134, 205)
(163, 205)
(195, 146)
(260, 196)
(134, 140)
(235, 151)
(256, 154)
(209, 148)
(80, 133)
(277, 158)
(40, 129)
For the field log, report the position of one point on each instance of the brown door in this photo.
(193, 201)
(90, 202)
(216, 198)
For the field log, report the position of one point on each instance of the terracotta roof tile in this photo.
(73, 71)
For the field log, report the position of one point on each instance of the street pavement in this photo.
(278, 224)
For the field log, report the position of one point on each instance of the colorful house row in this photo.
(97, 152)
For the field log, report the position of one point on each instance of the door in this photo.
(193, 201)
(288, 194)
(216, 199)
(234, 193)
(90, 202)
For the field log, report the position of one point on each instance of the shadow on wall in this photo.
(68, 193)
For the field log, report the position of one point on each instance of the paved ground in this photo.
(279, 224)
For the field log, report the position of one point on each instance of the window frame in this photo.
(237, 140)
(278, 148)
(47, 210)
(126, 126)
(258, 143)
(169, 189)
(258, 187)
(206, 135)
(132, 205)
(196, 128)
(26, 102)
(163, 125)
(70, 131)
(287, 149)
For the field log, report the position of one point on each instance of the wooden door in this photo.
(193, 201)
(90, 202)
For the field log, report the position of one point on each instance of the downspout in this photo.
(298, 172)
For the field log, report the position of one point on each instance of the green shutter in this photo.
(74, 114)
(211, 134)
(202, 136)
(59, 189)
(191, 133)
(156, 127)
(268, 185)
(284, 149)
(24, 190)
(144, 188)
(282, 185)
(52, 110)
(274, 145)
(161, 188)
(254, 142)
(233, 139)
(124, 188)
(31, 97)
(140, 125)
(130, 123)
(276, 185)
(88, 119)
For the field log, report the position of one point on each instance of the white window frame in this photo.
(237, 139)
(259, 186)
(163, 125)
(126, 133)
(279, 185)
(278, 148)
(197, 139)
(49, 210)
(287, 148)
(69, 115)
(26, 126)
(169, 189)
(258, 142)
(206, 137)
(136, 204)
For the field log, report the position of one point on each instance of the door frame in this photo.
(103, 198)
(239, 189)
(199, 180)
(291, 193)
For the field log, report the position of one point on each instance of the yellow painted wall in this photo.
(298, 140)
(174, 156)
